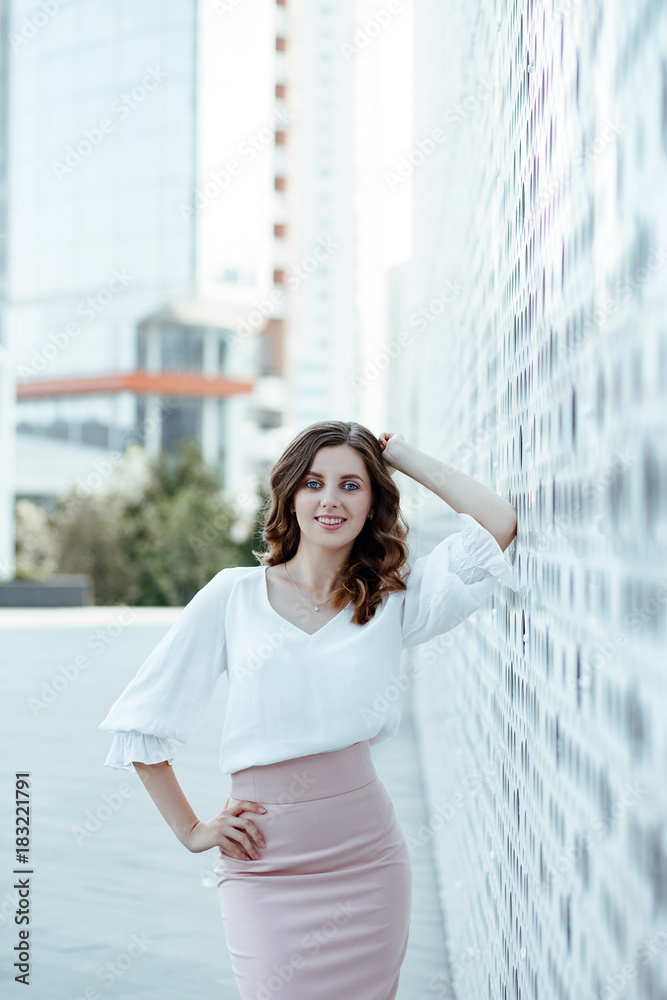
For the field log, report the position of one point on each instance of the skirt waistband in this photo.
(314, 776)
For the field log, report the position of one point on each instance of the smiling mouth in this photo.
(331, 521)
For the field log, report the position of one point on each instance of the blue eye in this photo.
(349, 483)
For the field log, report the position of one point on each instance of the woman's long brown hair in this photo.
(379, 551)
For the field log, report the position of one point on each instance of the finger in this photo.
(252, 835)
(241, 805)
(250, 846)
(235, 852)
(228, 852)
(237, 845)
(255, 834)
(246, 847)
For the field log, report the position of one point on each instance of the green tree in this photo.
(87, 533)
(158, 548)
(36, 555)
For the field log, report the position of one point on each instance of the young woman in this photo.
(314, 874)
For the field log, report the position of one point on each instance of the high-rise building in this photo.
(141, 165)
(7, 391)
(321, 190)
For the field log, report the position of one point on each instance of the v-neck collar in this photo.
(265, 592)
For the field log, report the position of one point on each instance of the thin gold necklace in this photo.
(315, 606)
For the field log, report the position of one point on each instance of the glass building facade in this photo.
(102, 147)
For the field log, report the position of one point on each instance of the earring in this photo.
(369, 517)
(293, 511)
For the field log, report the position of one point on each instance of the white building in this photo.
(321, 189)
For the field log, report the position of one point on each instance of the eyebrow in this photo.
(320, 476)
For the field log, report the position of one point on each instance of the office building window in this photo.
(223, 350)
(182, 349)
(170, 347)
(181, 420)
(268, 419)
(93, 432)
(141, 349)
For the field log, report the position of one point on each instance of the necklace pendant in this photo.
(316, 608)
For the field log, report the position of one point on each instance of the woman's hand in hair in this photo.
(390, 443)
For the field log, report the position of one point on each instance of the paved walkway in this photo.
(119, 908)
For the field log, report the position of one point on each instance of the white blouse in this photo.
(293, 693)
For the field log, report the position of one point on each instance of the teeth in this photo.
(331, 520)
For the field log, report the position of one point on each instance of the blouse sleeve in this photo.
(164, 704)
(455, 579)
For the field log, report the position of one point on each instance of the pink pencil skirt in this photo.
(324, 913)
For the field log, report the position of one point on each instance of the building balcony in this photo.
(141, 383)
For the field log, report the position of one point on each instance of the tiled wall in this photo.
(543, 718)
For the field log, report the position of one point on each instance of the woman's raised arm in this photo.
(463, 493)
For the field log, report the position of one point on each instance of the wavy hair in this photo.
(379, 552)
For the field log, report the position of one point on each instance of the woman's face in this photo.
(336, 486)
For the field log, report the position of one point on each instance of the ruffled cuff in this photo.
(131, 746)
(475, 554)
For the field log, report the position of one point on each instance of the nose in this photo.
(329, 500)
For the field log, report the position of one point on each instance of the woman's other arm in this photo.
(228, 830)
